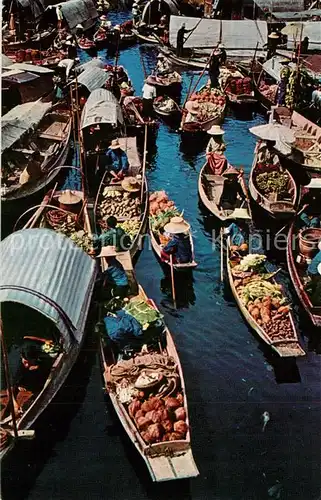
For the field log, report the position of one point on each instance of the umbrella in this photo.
(274, 132)
(293, 29)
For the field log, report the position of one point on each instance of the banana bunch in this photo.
(108, 193)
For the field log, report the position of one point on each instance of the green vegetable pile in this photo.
(259, 289)
(272, 182)
(251, 262)
(159, 221)
(143, 312)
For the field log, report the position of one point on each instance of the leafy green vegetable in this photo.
(251, 262)
(143, 312)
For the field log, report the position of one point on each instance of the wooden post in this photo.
(144, 164)
(8, 382)
(222, 255)
(172, 280)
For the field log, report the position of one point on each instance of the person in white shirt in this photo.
(149, 94)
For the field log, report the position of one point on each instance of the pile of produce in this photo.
(131, 227)
(211, 103)
(274, 181)
(263, 299)
(161, 211)
(68, 225)
(158, 419)
(269, 91)
(145, 314)
(239, 86)
(119, 203)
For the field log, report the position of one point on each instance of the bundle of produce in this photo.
(251, 262)
(269, 91)
(145, 314)
(159, 203)
(275, 181)
(131, 227)
(209, 95)
(259, 289)
(119, 203)
(211, 103)
(159, 419)
(67, 224)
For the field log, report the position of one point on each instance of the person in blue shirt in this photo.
(116, 161)
(237, 238)
(115, 277)
(179, 245)
(313, 268)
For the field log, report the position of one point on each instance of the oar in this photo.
(222, 255)
(144, 164)
(172, 279)
(192, 31)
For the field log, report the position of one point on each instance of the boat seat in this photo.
(218, 179)
(55, 132)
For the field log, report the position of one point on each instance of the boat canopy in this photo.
(19, 120)
(15, 76)
(78, 12)
(274, 6)
(96, 62)
(158, 7)
(46, 271)
(37, 7)
(101, 107)
(273, 67)
(32, 68)
(92, 78)
(209, 32)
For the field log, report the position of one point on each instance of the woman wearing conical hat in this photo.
(116, 161)
(179, 245)
(216, 143)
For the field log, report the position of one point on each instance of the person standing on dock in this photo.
(149, 94)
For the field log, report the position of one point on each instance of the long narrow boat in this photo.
(236, 86)
(41, 151)
(190, 62)
(110, 196)
(283, 337)
(264, 92)
(170, 82)
(298, 273)
(210, 189)
(146, 38)
(56, 307)
(166, 107)
(203, 110)
(277, 205)
(167, 456)
(43, 38)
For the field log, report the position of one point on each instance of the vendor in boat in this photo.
(192, 109)
(121, 75)
(303, 46)
(310, 214)
(116, 161)
(163, 66)
(222, 54)
(180, 39)
(238, 239)
(149, 94)
(114, 277)
(214, 68)
(232, 190)
(274, 39)
(216, 143)
(284, 79)
(179, 245)
(113, 236)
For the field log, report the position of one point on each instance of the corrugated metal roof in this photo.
(209, 32)
(19, 120)
(19, 77)
(92, 78)
(32, 68)
(96, 62)
(78, 12)
(280, 5)
(101, 107)
(45, 271)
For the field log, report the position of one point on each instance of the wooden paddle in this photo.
(172, 280)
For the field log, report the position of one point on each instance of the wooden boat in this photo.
(169, 82)
(100, 37)
(47, 58)
(59, 311)
(165, 460)
(196, 122)
(306, 151)
(298, 273)
(146, 38)
(210, 189)
(265, 96)
(288, 344)
(230, 76)
(166, 107)
(276, 205)
(43, 39)
(127, 39)
(129, 145)
(86, 44)
(192, 62)
(50, 142)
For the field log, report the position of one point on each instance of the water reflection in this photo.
(184, 288)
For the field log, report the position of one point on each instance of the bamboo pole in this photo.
(204, 69)
(144, 164)
(222, 255)
(172, 280)
(8, 382)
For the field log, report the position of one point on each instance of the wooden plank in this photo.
(129, 144)
(55, 131)
(161, 468)
(184, 465)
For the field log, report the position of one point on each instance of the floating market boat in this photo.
(211, 186)
(54, 306)
(261, 300)
(170, 82)
(151, 38)
(203, 109)
(158, 218)
(166, 107)
(272, 187)
(41, 39)
(297, 266)
(35, 143)
(193, 61)
(265, 89)
(157, 386)
(130, 208)
(236, 86)
(86, 44)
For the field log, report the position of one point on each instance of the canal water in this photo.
(231, 378)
